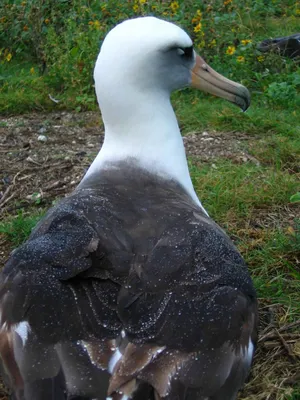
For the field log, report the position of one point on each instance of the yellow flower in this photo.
(230, 50)
(245, 42)
(226, 2)
(47, 20)
(23, 4)
(135, 8)
(298, 11)
(198, 27)
(213, 43)
(174, 6)
(97, 24)
(154, 8)
(240, 59)
(197, 17)
(32, 70)
(142, 2)
(8, 57)
(260, 58)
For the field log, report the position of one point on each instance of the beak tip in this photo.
(243, 98)
(245, 107)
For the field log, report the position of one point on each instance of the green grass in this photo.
(274, 268)
(199, 112)
(239, 188)
(17, 229)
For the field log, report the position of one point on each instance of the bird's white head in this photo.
(140, 63)
(153, 57)
(147, 54)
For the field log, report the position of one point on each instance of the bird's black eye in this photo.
(186, 52)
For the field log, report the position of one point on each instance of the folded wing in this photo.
(92, 306)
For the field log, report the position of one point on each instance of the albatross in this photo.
(127, 289)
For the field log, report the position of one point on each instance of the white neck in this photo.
(146, 131)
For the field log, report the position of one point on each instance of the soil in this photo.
(44, 156)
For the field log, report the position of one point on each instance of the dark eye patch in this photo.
(188, 52)
(185, 52)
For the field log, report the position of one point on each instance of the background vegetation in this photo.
(48, 50)
(49, 47)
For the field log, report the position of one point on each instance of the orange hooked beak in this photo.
(208, 80)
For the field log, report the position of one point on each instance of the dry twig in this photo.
(282, 329)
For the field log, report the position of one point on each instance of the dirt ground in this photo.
(44, 156)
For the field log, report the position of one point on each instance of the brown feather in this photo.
(8, 359)
(134, 359)
(100, 352)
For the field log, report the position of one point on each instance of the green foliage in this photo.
(19, 228)
(55, 45)
(295, 198)
(281, 93)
